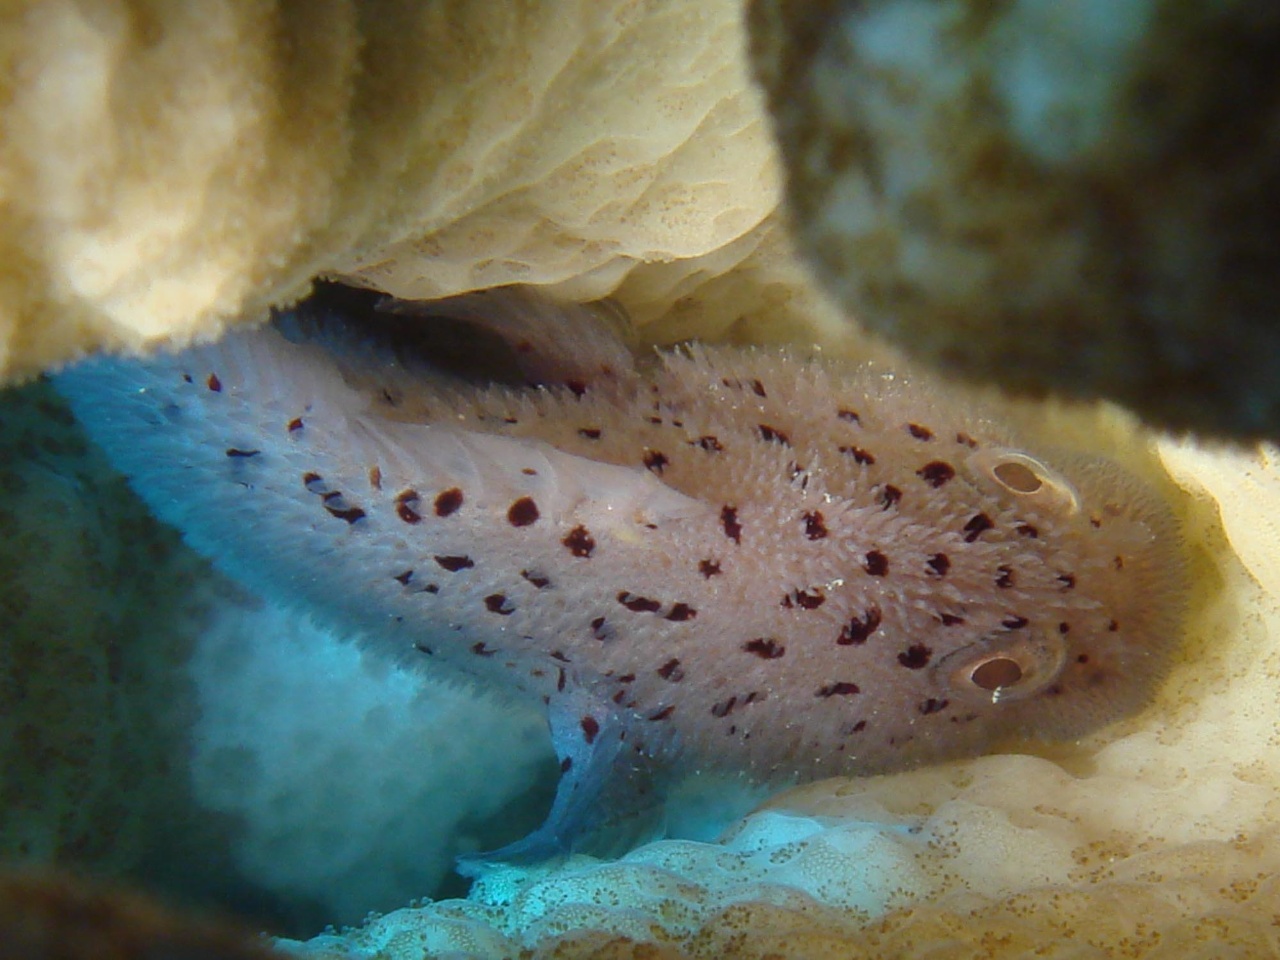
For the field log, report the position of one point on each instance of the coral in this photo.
(1079, 198)
(168, 172)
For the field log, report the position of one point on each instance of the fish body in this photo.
(712, 558)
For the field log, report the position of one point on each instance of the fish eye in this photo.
(996, 673)
(1030, 480)
(1004, 667)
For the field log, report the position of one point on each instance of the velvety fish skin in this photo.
(732, 558)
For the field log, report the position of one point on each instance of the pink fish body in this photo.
(719, 558)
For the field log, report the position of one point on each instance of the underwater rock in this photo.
(46, 916)
(1077, 198)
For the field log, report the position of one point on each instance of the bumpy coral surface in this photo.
(170, 170)
(1079, 197)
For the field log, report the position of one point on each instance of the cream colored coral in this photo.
(169, 169)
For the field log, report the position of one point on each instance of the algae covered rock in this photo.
(1076, 198)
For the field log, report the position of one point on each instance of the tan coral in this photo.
(165, 173)
(1078, 198)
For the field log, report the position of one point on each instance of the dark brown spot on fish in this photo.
(638, 604)
(1027, 530)
(915, 657)
(939, 564)
(1014, 622)
(773, 435)
(861, 456)
(529, 471)
(590, 727)
(431, 588)
(576, 387)
(936, 473)
(708, 568)
(294, 425)
(966, 440)
(481, 650)
(579, 541)
(919, 432)
(1068, 580)
(671, 670)
(950, 619)
(709, 442)
(1113, 626)
(339, 509)
(804, 599)
(723, 708)
(1082, 658)
(566, 764)
(213, 383)
(876, 563)
(663, 713)
(537, 579)
(448, 502)
(406, 504)
(976, 526)
(766, 648)
(850, 416)
(758, 388)
(1004, 576)
(455, 563)
(375, 477)
(1064, 627)
(841, 688)
(237, 453)
(423, 648)
(404, 577)
(497, 603)
(1118, 562)
(729, 521)
(523, 512)
(601, 630)
(815, 527)
(186, 378)
(681, 612)
(589, 433)
(933, 705)
(858, 629)
(655, 460)
(890, 496)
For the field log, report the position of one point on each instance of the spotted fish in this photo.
(712, 557)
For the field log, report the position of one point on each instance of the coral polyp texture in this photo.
(1071, 197)
(169, 173)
